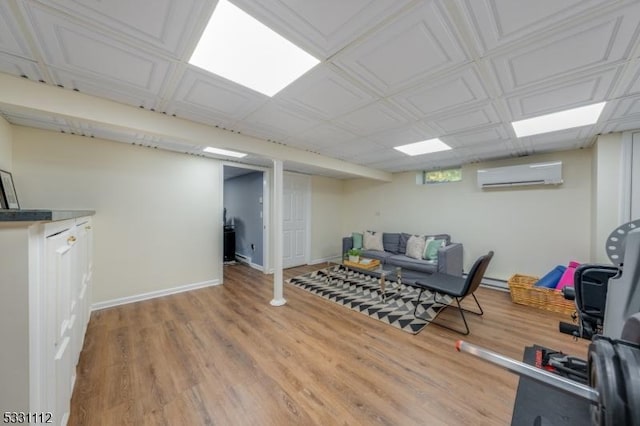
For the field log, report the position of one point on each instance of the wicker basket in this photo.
(524, 293)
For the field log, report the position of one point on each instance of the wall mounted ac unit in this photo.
(524, 174)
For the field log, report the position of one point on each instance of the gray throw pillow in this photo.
(402, 245)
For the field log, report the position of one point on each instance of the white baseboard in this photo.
(256, 266)
(336, 258)
(152, 295)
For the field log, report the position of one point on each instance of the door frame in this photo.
(266, 208)
(628, 175)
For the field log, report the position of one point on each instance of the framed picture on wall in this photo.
(3, 203)
(8, 191)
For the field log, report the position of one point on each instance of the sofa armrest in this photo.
(347, 244)
(450, 259)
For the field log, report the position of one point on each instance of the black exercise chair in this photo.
(455, 287)
(590, 294)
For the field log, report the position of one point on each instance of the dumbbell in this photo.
(614, 378)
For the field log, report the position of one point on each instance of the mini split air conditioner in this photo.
(524, 174)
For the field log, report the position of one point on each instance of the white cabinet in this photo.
(48, 290)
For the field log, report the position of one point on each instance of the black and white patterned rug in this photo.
(361, 292)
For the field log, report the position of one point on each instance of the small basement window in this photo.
(441, 176)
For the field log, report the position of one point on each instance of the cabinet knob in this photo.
(87, 227)
(71, 239)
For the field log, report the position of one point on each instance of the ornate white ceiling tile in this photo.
(462, 89)
(96, 55)
(373, 118)
(375, 154)
(324, 135)
(276, 121)
(321, 27)
(630, 81)
(324, 92)
(104, 89)
(351, 149)
(202, 94)
(166, 24)
(413, 132)
(420, 43)
(627, 108)
(497, 134)
(19, 67)
(460, 121)
(578, 92)
(11, 38)
(597, 43)
(620, 125)
(497, 23)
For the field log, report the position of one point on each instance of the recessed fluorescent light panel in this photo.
(562, 120)
(238, 47)
(226, 152)
(424, 147)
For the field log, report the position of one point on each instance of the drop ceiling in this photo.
(392, 72)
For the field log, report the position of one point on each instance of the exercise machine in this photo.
(608, 311)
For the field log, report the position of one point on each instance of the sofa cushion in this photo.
(376, 254)
(373, 241)
(419, 265)
(391, 242)
(357, 240)
(431, 248)
(415, 246)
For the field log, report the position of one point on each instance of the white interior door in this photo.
(295, 217)
(635, 178)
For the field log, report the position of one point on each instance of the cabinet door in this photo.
(82, 280)
(59, 252)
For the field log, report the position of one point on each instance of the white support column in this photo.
(278, 283)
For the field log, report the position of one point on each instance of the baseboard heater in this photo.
(493, 283)
(243, 258)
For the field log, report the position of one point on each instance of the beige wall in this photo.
(14, 318)
(607, 154)
(327, 201)
(531, 229)
(6, 144)
(157, 213)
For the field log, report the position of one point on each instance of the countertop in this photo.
(42, 215)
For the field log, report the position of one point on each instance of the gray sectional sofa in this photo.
(449, 257)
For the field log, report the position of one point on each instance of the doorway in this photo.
(244, 216)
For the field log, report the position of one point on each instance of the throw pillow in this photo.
(390, 242)
(428, 239)
(431, 249)
(373, 241)
(357, 240)
(402, 246)
(415, 246)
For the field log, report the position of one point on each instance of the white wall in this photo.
(327, 204)
(531, 229)
(157, 213)
(607, 154)
(6, 144)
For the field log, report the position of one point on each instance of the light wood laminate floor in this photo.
(222, 355)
